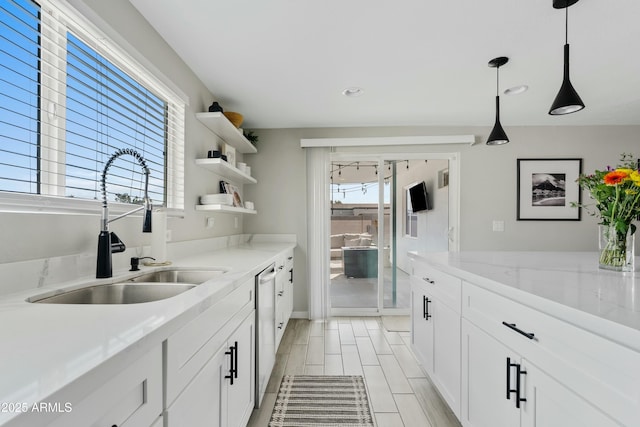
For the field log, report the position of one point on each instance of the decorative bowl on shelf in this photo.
(234, 118)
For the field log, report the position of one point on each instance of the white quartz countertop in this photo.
(45, 347)
(566, 285)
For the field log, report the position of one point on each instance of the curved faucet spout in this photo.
(109, 243)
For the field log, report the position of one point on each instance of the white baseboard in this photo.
(300, 315)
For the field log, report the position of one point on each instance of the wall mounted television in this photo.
(419, 197)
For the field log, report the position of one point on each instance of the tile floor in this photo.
(400, 393)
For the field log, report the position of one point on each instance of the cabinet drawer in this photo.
(443, 286)
(189, 349)
(132, 398)
(601, 371)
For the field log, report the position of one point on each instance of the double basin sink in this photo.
(147, 287)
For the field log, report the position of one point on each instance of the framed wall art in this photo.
(547, 188)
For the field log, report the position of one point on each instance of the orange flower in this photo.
(615, 177)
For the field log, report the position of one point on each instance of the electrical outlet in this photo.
(498, 225)
(210, 221)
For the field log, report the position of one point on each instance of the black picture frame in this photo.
(547, 188)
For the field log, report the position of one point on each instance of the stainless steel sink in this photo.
(117, 293)
(178, 276)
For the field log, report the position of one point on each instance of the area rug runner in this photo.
(320, 400)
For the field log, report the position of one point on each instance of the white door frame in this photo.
(318, 204)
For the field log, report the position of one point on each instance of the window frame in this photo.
(58, 18)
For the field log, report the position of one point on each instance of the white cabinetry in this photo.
(435, 333)
(284, 294)
(522, 367)
(132, 398)
(222, 393)
(206, 356)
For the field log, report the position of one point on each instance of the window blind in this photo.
(86, 99)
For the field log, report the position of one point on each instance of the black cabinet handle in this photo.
(280, 293)
(291, 275)
(426, 308)
(512, 326)
(519, 373)
(232, 369)
(235, 360)
(509, 389)
(280, 325)
(289, 258)
(426, 279)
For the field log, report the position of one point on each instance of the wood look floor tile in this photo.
(314, 369)
(407, 362)
(295, 363)
(315, 352)
(359, 328)
(302, 333)
(332, 341)
(260, 417)
(411, 411)
(379, 392)
(367, 352)
(395, 376)
(436, 409)
(333, 364)
(317, 328)
(346, 333)
(388, 419)
(379, 342)
(351, 360)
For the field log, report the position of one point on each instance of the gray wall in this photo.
(487, 182)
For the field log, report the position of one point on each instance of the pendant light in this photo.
(567, 101)
(497, 135)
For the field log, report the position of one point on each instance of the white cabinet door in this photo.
(484, 381)
(241, 393)
(550, 404)
(201, 402)
(422, 326)
(446, 352)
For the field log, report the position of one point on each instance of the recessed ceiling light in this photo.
(516, 90)
(353, 91)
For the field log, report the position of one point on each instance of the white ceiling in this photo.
(284, 63)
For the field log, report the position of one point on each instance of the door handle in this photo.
(519, 373)
(291, 275)
(426, 308)
(235, 360)
(509, 389)
(231, 362)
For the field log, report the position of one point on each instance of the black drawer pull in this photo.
(280, 293)
(512, 326)
(426, 308)
(426, 279)
(291, 275)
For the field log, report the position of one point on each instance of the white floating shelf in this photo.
(224, 169)
(225, 209)
(222, 127)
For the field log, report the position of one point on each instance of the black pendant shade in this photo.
(567, 100)
(497, 135)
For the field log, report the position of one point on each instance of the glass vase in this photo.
(616, 250)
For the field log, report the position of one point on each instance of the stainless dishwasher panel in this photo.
(266, 336)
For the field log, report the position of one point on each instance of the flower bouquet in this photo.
(617, 195)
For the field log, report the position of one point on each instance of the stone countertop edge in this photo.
(565, 285)
(59, 352)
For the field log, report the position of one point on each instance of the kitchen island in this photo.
(561, 336)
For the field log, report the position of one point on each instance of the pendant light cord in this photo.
(498, 81)
(566, 25)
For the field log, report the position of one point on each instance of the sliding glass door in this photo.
(373, 225)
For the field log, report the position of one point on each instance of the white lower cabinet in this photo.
(435, 333)
(503, 389)
(284, 294)
(131, 398)
(222, 393)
